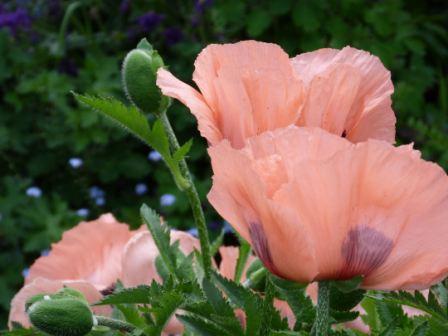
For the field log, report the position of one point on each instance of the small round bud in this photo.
(61, 317)
(139, 78)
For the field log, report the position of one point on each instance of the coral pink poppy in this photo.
(44, 286)
(315, 206)
(90, 251)
(88, 258)
(251, 87)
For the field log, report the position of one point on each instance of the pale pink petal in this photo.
(45, 286)
(229, 258)
(138, 261)
(174, 88)
(140, 255)
(365, 108)
(92, 250)
(265, 224)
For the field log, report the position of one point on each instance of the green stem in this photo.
(193, 198)
(269, 293)
(255, 277)
(321, 325)
(114, 324)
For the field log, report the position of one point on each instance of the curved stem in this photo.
(322, 310)
(114, 324)
(193, 198)
(255, 277)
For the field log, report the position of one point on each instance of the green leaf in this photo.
(421, 329)
(215, 298)
(244, 252)
(202, 326)
(182, 151)
(161, 235)
(243, 298)
(345, 301)
(347, 286)
(140, 294)
(163, 308)
(130, 118)
(296, 297)
(217, 243)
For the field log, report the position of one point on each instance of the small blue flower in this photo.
(227, 228)
(25, 272)
(75, 162)
(96, 192)
(141, 188)
(44, 253)
(35, 192)
(193, 232)
(100, 201)
(83, 212)
(167, 200)
(154, 156)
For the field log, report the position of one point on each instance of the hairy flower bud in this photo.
(61, 317)
(139, 75)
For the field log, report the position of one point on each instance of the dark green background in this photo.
(41, 126)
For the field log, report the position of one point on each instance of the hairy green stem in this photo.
(321, 325)
(193, 198)
(114, 324)
(255, 277)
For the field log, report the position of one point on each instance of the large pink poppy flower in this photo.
(90, 251)
(88, 258)
(251, 87)
(338, 209)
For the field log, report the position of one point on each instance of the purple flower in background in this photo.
(150, 20)
(25, 272)
(68, 66)
(75, 162)
(125, 6)
(15, 20)
(199, 8)
(173, 35)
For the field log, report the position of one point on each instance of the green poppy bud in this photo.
(139, 75)
(61, 317)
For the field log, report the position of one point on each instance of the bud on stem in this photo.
(139, 75)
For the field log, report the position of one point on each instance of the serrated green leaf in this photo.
(343, 316)
(216, 244)
(202, 326)
(243, 298)
(162, 309)
(243, 255)
(421, 329)
(140, 294)
(130, 118)
(347, 286)
(345, 301)
(182, 151)
(161, 235)
(216, 299)
(131, 314)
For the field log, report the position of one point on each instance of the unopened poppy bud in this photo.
(61, 317)
(139, 78)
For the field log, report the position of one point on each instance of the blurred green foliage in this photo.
(56, 46)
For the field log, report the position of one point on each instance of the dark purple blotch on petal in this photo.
(261, 247)
(364, 250)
